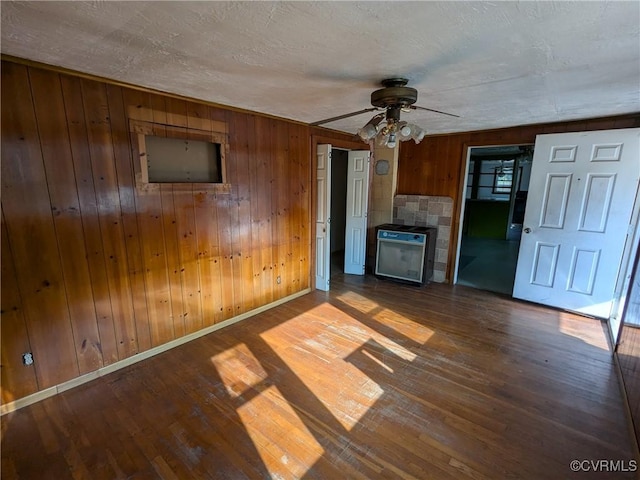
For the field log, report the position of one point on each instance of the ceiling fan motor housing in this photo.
(394, 94)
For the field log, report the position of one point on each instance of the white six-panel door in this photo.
(357, 202)
(323, 220)
(581, 196)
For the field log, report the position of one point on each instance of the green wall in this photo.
(486, 218)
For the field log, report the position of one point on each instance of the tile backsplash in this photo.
(428, 211)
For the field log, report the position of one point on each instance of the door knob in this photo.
(527, 230)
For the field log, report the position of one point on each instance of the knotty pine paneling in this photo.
(56, 153)
(15, 339)
(96, 269)
(86, 192)
(129, 216)
(31, 233)
(107, 188)
(436, 165)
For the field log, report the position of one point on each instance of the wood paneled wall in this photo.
(95, 269)
(436, 166)
(628, 348)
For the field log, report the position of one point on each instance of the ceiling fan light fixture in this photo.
(382, 139)
(370, 130)
(395, 97)
(367, 132)
(391, 142)
(406, 130)
(410, 131)
(418, 134)
(391, 133)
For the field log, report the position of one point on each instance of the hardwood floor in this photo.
(372, 380)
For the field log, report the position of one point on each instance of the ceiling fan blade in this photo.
(416, 107)
(346, 115)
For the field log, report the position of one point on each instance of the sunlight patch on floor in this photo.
(390, 318)
(319, 358)
(574, 325)
(239, 369)
(359, 302)
(282, 440)
(365, 333)
(403, 325)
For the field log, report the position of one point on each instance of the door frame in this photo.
(338, 143)
(623, 283)
(462, 198)
(631, 249)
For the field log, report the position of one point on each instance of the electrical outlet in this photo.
(27, 358)
(278, 280)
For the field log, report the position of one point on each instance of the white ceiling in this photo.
(495, 64)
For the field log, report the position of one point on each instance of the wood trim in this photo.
(110, 81)
(140, 129)
(81, 380)
(605, 120)
(140, 115)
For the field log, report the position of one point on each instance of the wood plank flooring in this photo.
(372, 380)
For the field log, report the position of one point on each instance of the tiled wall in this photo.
(427, 211)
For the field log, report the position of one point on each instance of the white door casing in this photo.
(356, 218)
(323, 219)
(581, 196)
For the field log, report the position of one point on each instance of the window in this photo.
(502, 179)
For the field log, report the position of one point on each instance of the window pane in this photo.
(502, 180)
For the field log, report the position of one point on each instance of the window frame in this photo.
(502, 189)
(141, 129)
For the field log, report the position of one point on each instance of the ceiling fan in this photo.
(393, 98)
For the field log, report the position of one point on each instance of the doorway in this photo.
(497, 184)
(354, 212)
(339, 158)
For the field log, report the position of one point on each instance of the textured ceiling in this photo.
(493, 63)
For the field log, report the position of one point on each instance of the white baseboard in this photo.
(74, 382)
